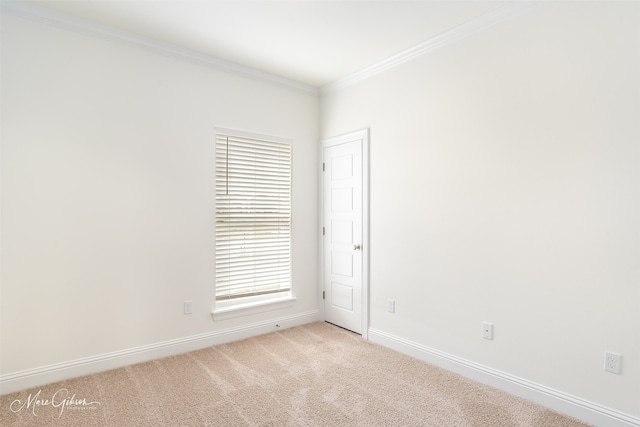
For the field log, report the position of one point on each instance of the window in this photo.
(253, 219)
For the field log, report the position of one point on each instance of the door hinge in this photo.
(322, 167)
(323, 231)
(322, 294)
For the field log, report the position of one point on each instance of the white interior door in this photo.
(343, 232)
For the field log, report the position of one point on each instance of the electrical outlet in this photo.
(612, 362)
(391, 306)
(188, 306)
(487, 331)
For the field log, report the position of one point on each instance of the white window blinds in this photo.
(253, 217)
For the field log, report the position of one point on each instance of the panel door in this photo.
(342, 218)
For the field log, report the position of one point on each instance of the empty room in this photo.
(320, 213)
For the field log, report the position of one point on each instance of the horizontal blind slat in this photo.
(253, 216)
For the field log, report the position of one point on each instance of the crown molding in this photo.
(51, 17)
(466, 29)
(83, 26)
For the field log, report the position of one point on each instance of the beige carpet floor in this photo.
(312, 375)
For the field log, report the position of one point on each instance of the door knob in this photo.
(356, 247)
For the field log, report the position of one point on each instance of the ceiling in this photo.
(314, 42)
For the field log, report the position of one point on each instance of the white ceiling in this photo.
(311, 42)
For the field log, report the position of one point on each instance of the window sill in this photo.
(247, 309)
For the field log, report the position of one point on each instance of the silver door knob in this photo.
(356, 247)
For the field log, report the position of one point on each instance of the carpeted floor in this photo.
(311, 375)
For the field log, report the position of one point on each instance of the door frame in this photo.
(363, 135)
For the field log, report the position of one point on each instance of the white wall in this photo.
(107, 193)
(505, 187)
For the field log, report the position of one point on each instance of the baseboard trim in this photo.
(21, 380)
(573, 406)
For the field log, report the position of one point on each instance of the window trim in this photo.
(221, 312)
(243, 306)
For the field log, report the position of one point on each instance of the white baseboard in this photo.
(21, 380)
(564, 403)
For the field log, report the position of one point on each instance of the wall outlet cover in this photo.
(391, 306)
(612, 362)
(487, 331)
(188, 307)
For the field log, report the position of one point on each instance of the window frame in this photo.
(246, 305)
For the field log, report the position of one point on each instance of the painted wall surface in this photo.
(505, 188)
(107, 192)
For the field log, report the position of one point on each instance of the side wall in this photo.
(505, 188)
(107, 194)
